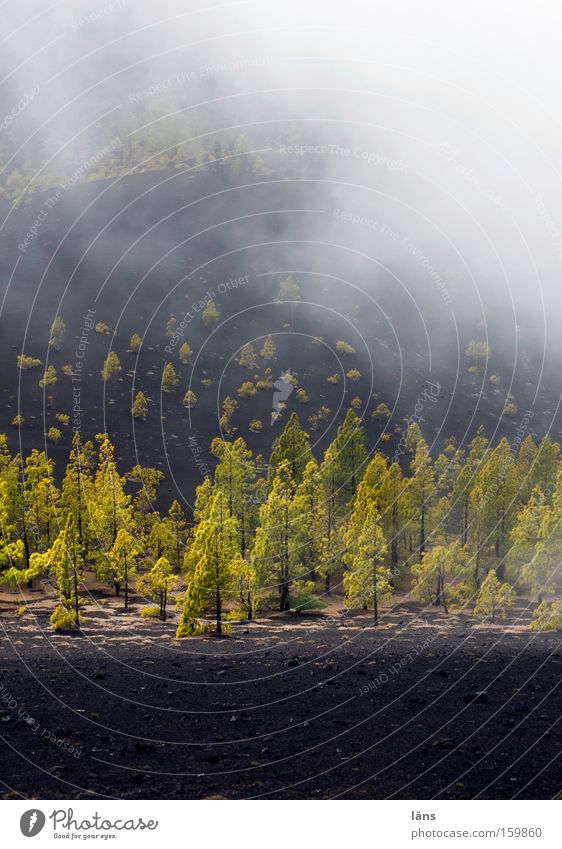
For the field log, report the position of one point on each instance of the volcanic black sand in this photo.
(316, 706)
(142, 248)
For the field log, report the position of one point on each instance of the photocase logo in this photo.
(32, 822)
(283, 388)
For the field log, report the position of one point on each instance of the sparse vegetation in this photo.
(169, 378)
(58, 330)
(54, 435)
(344, 348)
(135, 343)
(189, 399)
(139, 409)
(26, 363)
(247, 390)
(211, 314)
(49, 377)
(111, 367)
(381, 412)
(185, 354)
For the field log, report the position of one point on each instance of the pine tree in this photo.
(78, 489)
(247, 357)
(349, 456)
(246, 585)
(121, 561)
(367, 580)
(145, 498)
(158, 584)
(289, 290)
(140, 407)
(185, 354)
(135, 343)
(441, 576)
(276, 545)
(544, 566)
(268, 351)
(526, 534)
(494, 597)
(49, 377)
(498, 477)
(189, 399)
(111, 367)
(171, 325)
(110, 507)
(176, 527)
(211, 314)
(422, 492)
(334, 518)
(215, 554)
(42, 498)
(65, 561)
(234, 476)
(169, 378)
(311, 526)
(58, 329)
(292, 446)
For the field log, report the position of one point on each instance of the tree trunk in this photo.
(117, 588)
(422, 534)
(76, 605)
(328, 584)
(284, 596)
(126, 585)
(375, 594)
(218, 610)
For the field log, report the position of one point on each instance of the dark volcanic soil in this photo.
(142, 248)
(311, 707)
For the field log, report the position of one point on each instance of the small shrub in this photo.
(49, 378)
(189, 399)
(62, 418)
(17, 421)
(510, 410)
(135, 343)
(169, 378)
(150, 611)
(381, 412)
(353, 374)
(547, 617)
(185, 354)
(302, 396)
(478, 350)
(54, 435)
(25, 363)
(102, 327)
(247, 390)
(344, 348)
(334, 378)
(256, 426)
(63, 618)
